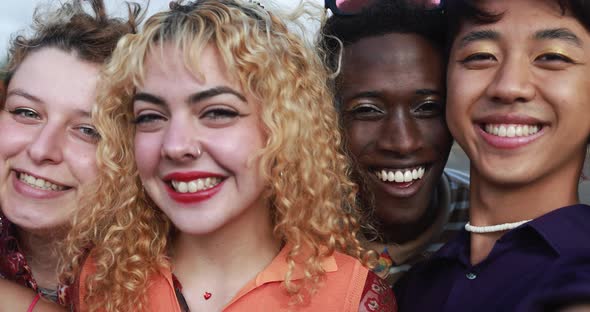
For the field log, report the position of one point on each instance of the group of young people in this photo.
(214, 160)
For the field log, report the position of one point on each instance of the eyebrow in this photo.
(375, 94)
(150, 98)
(83, 113)
(479, 35)
(213, 92)
(559, 34)
(193, 98)
(428, 92)
(366, 94)
(22, 93)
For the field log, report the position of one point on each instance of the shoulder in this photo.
(567, 281)
(349, 270)
(161, 295)
(377, 295)
(362, 289)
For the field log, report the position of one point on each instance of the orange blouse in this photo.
(340, 290)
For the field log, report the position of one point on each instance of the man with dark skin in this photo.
(390, 93)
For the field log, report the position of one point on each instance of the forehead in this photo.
(167, 62)
(57, 78)
(391, 55)
(518, 17)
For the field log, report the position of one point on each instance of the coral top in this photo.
(340, 290)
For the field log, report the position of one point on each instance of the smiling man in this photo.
(518, 94)
(391, 97)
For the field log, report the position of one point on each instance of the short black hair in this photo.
(459, 11)
(381, 18)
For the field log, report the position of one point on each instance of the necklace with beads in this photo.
(494, 228)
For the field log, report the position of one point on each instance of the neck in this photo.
(222, 262)
(40, 250)
(492, 203)
(403, 232)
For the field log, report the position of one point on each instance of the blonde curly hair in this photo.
(309, 191)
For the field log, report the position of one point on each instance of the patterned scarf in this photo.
(14, 266)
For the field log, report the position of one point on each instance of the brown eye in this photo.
(554, 57)
(365, 111)
(219, 113)
(429, 109)
(478, 57)
(147, 118)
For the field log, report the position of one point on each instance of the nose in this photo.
(400, 134)
(181, 143)
(512, 82)
(47, 146)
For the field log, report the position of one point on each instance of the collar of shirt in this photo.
(563, 231)
(275, 272)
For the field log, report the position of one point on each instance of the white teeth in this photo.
(400, 175)
(39, 183)
(192, 187)
(195, 185)
(511, 130)
(390, 176)
(408, 176)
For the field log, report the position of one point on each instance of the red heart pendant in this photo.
(207, 295)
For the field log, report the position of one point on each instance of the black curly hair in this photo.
(381, 18)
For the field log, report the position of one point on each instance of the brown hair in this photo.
(70, 28)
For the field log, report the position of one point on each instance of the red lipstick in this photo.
(189, 198)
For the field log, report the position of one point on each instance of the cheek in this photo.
(360, 135)
(81, 160)
(147, 150)
(436, 135)
(236, 149)
(19, 138)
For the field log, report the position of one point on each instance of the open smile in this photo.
(192, 187)
(37, 187)
(510, 136)
(401, 182)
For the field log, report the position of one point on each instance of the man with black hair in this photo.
(390, 93)
(518, 103)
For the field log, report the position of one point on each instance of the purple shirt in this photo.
(523, 270)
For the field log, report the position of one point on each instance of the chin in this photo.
(198, 227)
(401, 211)
(507, 174)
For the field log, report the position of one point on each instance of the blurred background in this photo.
(15, 16)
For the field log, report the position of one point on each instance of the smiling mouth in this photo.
(404, 175)
(39, 183)
(193, 186)
(511, 130)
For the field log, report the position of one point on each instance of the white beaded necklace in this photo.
(494, 228)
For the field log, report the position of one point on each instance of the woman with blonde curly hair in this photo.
(221, 185)
(48, 143)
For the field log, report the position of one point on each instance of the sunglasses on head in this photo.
(353, 7)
